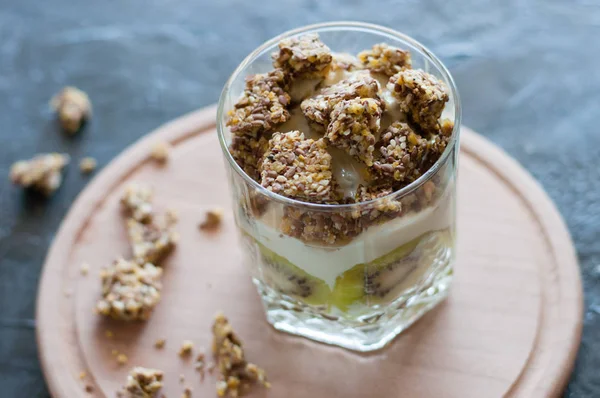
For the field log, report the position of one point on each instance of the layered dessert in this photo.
(351, 211)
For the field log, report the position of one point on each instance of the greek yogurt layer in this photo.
(329, 262)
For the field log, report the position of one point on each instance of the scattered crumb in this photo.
(89, 388)
(160, 151)
(87, 165)
(42, 173)
(213, 219)
(186, 348)
(160, 343)
(114, 352)
(171, 216)
(129, 291)
(84, 269)
(122, 359)
(182, 378)
(82, 375)
(187, 393)
(143, 383)
(235, 371)
(73, 107)
(199, 364)
(109, 334)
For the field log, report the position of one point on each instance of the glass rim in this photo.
(349, 25)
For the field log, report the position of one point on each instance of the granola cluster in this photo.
(305, 56)
(73, 107)
(130, 291)
(402, 152)
(143, 383)
(247, 152)
(318, 108)
(137, 202)
(262, 106)
(41, 173)
(420, 95)
(235, 372)
(151, 242)
(298, 168)
(385, 59)
(353, 126)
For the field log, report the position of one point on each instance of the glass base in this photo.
(369, 332)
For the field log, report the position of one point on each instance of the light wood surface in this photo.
(510, 327)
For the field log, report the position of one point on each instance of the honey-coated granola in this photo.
(385, 59)
(42, 173)
(421, 95)
(143, 383)
(235, 372)
(130, 291)
(298, 168)
(353, 126)
(262, 106)
(305, 56)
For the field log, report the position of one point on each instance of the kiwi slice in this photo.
(280, 274)
(385, 278)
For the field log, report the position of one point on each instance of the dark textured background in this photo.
(528, 73)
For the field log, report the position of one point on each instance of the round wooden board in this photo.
(510, 327)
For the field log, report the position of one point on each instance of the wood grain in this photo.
(511, 326)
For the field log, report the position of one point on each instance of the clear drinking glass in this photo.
(385, 269)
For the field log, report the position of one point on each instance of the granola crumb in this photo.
(402, 153)
(130, 291)
(89, 388)
(421, 95)
(353, 126)
(187, 393)
(73, 107)
(151, 242)
(160, 152)
(122, 359)
(181, 378)
(84, 269)
(109, 334)
(298, 168)
(87, 165)
(186, 348)
(318, 108)
(262, 106)
(42, 173)
(385, 59)
(136, 202)
(114, 352)
(160, 344)
(82, 375)
(305, 56)
(212, 220)
(143, 383)
(235, 371)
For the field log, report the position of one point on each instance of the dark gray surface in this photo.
(528, 73)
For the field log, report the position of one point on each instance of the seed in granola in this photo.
(305, 56)
(84, 269)
(143, 383)
(402, 153)
(247, 153)
(137, 202)
(298, 168)
(160, 344)
(353, 126)
(383, 58)
(186, 348)
(318, 108)
(73, 107)
(345, 62)
(160, 151)
(421, 95)
(229, 354)
(87, 165)
(122, 359)
(42, 173)
(212, 219)
(130, 291)
(263, 105)
(151, 242)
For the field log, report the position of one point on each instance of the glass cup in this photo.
(352, 275)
